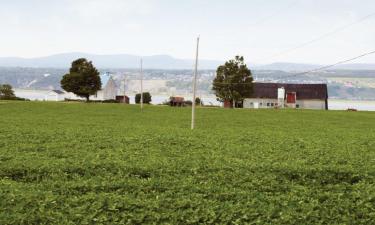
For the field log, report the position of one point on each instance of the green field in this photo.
(73, 163)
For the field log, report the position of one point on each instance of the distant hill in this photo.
(154, 62)
(108, 61)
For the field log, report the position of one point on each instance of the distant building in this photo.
(108, 92)
(122, 99)
(272, 95)
(40, 95)
(177, 101)
(109, 89)
(55, 95)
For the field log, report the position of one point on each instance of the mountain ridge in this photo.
(160, 61)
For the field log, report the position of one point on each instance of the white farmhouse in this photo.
(40, 95)
(55, 95)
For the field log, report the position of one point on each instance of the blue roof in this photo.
(104, 78)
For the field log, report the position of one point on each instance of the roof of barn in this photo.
(303, 91)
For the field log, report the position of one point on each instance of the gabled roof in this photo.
(303, 91)
(58, 92)
(104, 78)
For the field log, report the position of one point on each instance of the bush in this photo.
(188, 103)
(92, 101)
(13, 98)
(146, 98)
(198, 101)
(110, 101)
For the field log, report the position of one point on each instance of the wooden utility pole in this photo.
(141, 84)
(124, 88)
(194, 86)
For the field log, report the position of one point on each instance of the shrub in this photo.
(146, 98)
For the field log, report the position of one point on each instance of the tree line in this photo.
(233, 82)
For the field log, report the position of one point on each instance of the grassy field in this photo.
(72, 163)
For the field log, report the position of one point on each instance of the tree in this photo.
(146, 98)
(198, 101)
(6, 91)
(83, 79)
(233, 81)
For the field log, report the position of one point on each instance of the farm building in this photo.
(108, 91)
(123, 99)
(271, 95)
(177, 101)
(40, 95)
(55, 95)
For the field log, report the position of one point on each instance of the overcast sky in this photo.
(257, 29)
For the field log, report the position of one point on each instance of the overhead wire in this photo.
(318, 38)
(313, 70)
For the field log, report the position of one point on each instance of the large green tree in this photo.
(6, 91)
(83, 79)
(233, 81)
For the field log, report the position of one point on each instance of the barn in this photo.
(109, 89)
(272, 95)
(177, 101)
(123, 99)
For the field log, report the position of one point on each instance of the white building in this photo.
(108, 92)
(271, 95)
(40, 95)
(109, 89)
(55, 95)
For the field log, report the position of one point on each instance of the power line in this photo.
(310, 71)
(320, 37)
(332, 65)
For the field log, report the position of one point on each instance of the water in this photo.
(333, 104)
(349, 104)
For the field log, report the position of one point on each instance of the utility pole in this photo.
(141, 84)
(124, 88)
(194, 86)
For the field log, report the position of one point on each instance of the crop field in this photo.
(76, 163)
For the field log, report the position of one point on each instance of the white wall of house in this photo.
(263, 103)
(53, 96)
(33, 95)
(259, 103)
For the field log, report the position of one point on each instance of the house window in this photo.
(272, 104)
(297, 106)
(268, 104)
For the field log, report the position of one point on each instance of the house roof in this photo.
(58, 92)
(303, 91)
(104, 78)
